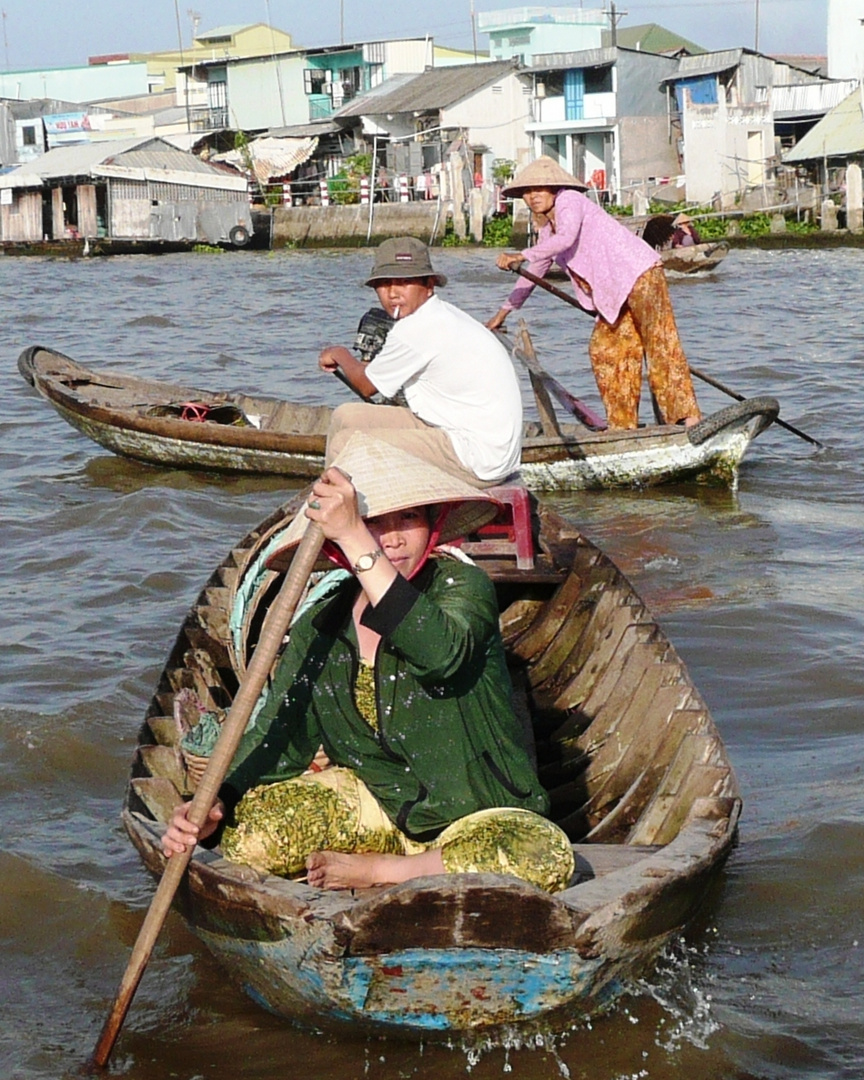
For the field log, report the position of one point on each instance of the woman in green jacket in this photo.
(394, 679)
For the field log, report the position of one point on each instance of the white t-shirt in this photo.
(457, 376)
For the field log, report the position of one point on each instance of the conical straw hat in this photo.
(544, 172)
(387, 479)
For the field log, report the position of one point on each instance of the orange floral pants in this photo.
(645, 330)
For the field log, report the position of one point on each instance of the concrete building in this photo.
(79, 84)
(722, 109)
(484, 106)
(603, 115)
(521, 33)
(258, 93)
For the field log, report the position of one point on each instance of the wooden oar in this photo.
(272, 635)
(540, 378)
(699, 374)
(740, 397)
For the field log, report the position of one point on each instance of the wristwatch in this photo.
(367, 561)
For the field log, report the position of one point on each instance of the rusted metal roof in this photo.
(838, 134)
(431, 90)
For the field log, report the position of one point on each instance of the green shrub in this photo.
(498, 231)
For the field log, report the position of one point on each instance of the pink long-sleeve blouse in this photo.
(602, 257)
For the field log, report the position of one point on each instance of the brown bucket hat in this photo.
(403, 257)
(544, 173)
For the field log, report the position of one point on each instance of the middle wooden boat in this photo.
(178, 426)
(638, 777)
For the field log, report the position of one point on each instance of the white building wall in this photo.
(496, 117)
(725, 147)
(404, 57)
(267, 93)
(845, 39)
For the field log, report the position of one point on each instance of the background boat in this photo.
(181, 426)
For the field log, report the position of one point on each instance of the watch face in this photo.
(366, 562)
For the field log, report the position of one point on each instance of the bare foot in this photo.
(337, 870)
(689, 421)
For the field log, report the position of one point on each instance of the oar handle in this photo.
(272, 634)
(550, 288)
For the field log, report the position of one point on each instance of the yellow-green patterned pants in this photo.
(279, 825)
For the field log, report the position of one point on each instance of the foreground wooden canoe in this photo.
(143, 419)
(638, 776)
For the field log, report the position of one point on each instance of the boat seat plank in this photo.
(617, 702)
(602, 638)
(639, 751)
(698, 765)
(543, 630)
(595, 860)
(165, 730)
(165, 762)
(158, 796)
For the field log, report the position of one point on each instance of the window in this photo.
(28, 135)
(313, 80)
(598, 80)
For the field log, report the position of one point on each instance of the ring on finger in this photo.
(314, 504)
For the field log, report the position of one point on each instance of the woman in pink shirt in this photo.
(616, 276)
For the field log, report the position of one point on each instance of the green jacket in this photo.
(448, 742)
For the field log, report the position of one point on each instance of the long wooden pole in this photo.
(549, 287)
(272, 635)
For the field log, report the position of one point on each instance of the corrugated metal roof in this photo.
(581, 59)
(83, 159)
(839, 134)
(271, 157)
(304, 131)
(437, 88)
(711, 63)
(809, 99)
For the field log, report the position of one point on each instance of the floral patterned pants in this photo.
(644, 329)
(278, 825)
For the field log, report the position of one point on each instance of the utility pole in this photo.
(474, 30)
(614, 17)
(756, 36)
(5, 41)
(341, 22)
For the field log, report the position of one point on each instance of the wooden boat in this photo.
(697, 259)
(155, 422)
(637, 773)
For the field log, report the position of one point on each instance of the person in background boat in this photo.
(446, 363)
(685, 234)
(616, 276)
(394, 680)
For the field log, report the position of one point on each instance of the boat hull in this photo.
(637, 774)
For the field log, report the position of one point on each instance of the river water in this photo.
(761, 590)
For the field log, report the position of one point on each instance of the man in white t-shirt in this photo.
(464, 403)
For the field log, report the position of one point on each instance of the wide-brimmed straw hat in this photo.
(403, 257)
(542, 173)
(387, 479)
(682, 219)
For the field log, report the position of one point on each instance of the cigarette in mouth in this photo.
(396, 312)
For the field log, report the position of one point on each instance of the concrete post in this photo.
(829, 216)
(778, 223)
(475, 214)
(854, 202)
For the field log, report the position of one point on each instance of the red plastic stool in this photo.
(511, 529)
